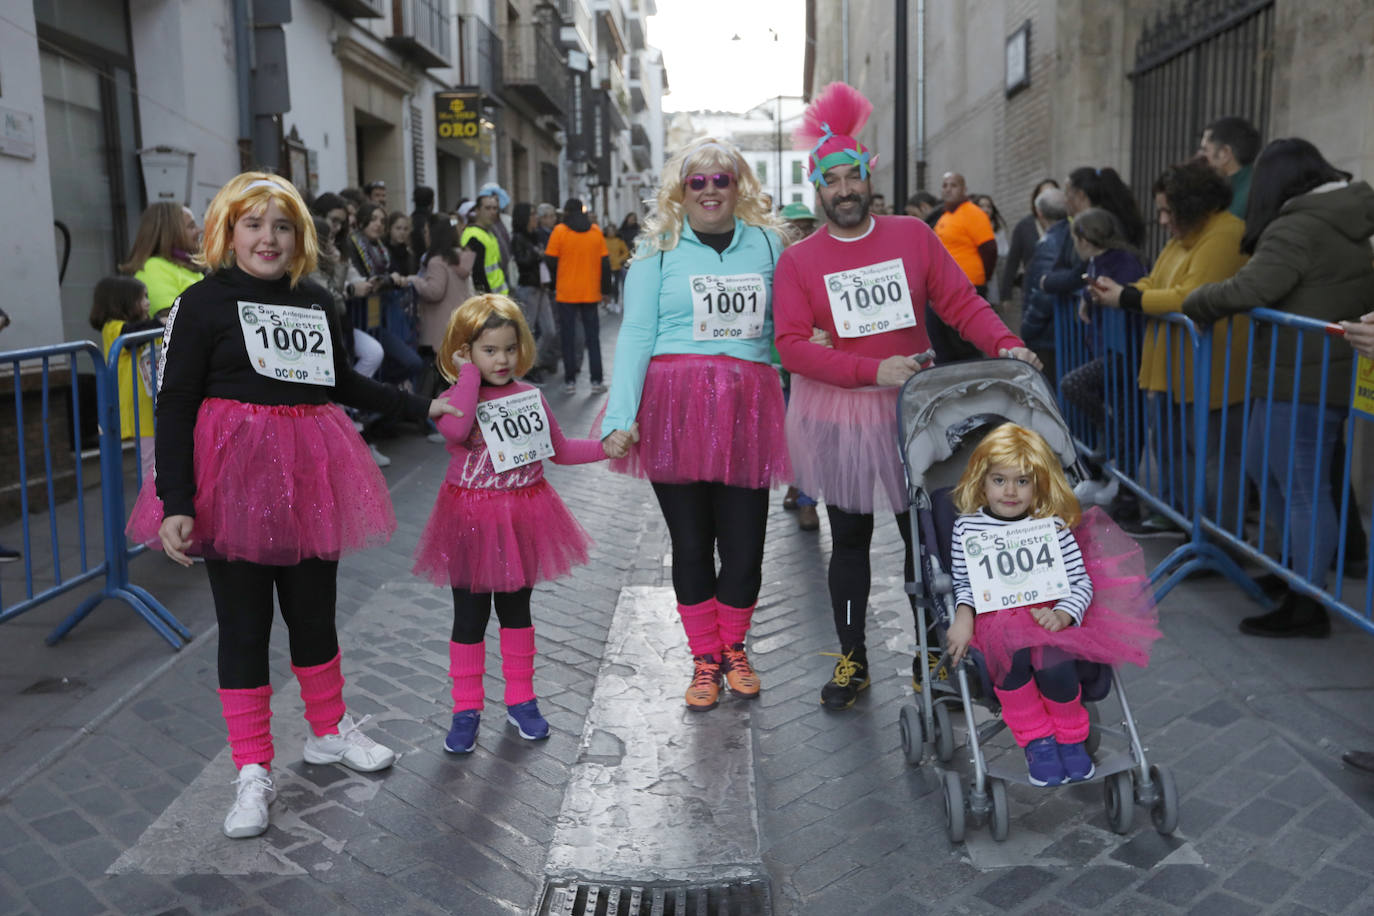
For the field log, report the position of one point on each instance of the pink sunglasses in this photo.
(698, 182)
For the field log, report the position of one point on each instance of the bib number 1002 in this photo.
(1009, 563)
(863, 297)
(297, 339)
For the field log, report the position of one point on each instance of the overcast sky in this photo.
(706, 69)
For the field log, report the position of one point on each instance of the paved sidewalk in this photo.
(113, 784)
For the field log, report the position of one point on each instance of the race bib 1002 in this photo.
(515, 429)
(728, 308)
(288, 343)
(870, 300)
(1015, 565)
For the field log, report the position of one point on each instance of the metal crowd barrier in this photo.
(1183, 453)
(35, 368)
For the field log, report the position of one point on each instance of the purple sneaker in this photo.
(1078, 766)
(525, 716)
(1042, 761)
(462, 737)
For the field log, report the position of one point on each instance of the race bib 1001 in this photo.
(288, 343)
(728, 308)
(870, 300)
(1015, 565)
(515, 429)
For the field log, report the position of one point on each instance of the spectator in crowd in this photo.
(479, 237)
(629, 230)
(423, 198)
(498, 226)
(1024, 237)
(581, 267)
(192, 229)
(376, 192)
(1093, 187)
(619, 254)
(967, 234)
(443, 284)
(120, 306)
(1308, 233)
(801, 221)
(878, 205)
(999, 233)
(921, 205)
(1203, 247)
(162, 256)
(353, 198)
(1230, 145)
(528, 255)
(399, 315)
(1037, 308)
(334, 210)
(337, 274)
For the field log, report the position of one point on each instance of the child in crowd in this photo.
(120, 306)
(1099, 607)
(498, 527)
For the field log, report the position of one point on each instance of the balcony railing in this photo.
(483, 58)
(576, 32)
(360, 9)
(536, 69)
(640, 148)
(610, 20)
(613, 81)
(420, 29)
(638, 102)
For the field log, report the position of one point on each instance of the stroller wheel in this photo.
(954, 807)
(1001, 814)
(913, 735)
(1164, 813)
(1094, 739)
(1120, 799)
(944, 733)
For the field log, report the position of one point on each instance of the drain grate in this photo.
(746, 897)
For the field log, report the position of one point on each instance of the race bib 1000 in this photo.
(728, 308)
(515, 430)
(1015, 565)
(288, 343)
(870, 300)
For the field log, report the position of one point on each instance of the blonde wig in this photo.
(478, 314)
(250, 193)
(1028, 452)
(705, 155)
(161, 233)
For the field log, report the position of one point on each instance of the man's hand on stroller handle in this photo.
(959, 634)
(1025, 354)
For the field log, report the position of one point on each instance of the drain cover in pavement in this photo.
(563, 897)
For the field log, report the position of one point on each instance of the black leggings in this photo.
(851, 576)
(1058, 683)
(703, 516)
(472, 612)
(243, 608)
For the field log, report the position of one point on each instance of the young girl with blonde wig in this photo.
(1105, 612)
(498, 527)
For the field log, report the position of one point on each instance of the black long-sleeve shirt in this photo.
(205, 357)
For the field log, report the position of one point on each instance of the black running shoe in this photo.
(850, 676)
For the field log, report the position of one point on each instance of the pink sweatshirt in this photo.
(470, 465)
(800, 302)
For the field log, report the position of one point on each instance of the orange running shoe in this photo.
(739, 674)
(704, 691)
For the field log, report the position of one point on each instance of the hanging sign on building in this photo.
(460, 124)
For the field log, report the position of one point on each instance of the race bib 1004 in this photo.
(870, 300)
(728, 308)
(1015, 565)
(515, 429)
(288, 343)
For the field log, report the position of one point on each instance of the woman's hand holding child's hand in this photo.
(1052, 620)
(960, 634)
(617, 443)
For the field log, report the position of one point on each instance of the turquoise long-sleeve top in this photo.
(659, 314)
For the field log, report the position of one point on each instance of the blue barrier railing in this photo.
(36, 366)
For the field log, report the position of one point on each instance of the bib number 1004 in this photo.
(1010, 563)
(297, 339)
(866, 297)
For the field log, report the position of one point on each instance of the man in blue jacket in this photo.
(1053, 251)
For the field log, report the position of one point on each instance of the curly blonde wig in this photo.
(250, 193)
(1028, 452)
(478, 314)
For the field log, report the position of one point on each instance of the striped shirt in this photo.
(1080, 586)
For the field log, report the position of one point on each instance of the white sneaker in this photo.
(436, 437)
(1088, 490)
(1108, 493)
(350, 747)
(382, 460)
(598, 388)
(248, 817)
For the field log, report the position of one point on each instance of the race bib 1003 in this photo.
(1015, 565)
(870, 300)
(515, 429)
(728, 308)
(288, 343)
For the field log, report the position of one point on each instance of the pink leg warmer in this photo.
(699, 620)
(467, 662)
(248, 713)
(1070, 719)
(517, 663)
(322, 691)
(1024, 713)
(733, 622)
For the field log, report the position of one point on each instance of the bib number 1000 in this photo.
(866, 297)
(297, 339)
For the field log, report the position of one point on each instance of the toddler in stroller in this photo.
(1042, 598)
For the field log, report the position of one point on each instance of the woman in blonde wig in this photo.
(693, 379)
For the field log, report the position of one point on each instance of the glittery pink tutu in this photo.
(495, 540)
(709, 418)
(276, 485)
(844, 445)
(1120, 625)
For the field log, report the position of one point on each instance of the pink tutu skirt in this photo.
(709, 418)
(1120, 625)
(489, 540)
(843, 443)
(277, 485)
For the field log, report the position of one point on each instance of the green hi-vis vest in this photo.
(496, 277)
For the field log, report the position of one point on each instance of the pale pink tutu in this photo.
(844, 447)
(495, 540)
(276, 485)
(709, 418)
(1120, 625)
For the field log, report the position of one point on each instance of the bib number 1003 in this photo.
(1009, 563)
(865, 297)
(511, 427)
(297, 339)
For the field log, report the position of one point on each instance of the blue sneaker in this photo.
(1078, 766)
(462, 737)
(525, 716)
(1042, 761)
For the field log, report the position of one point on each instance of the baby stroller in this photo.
(942, 415)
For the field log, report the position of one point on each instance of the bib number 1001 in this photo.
(864, 297)
(297, 339)
(1009, 563)
(727, 303)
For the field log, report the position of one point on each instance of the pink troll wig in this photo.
(828, 128)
